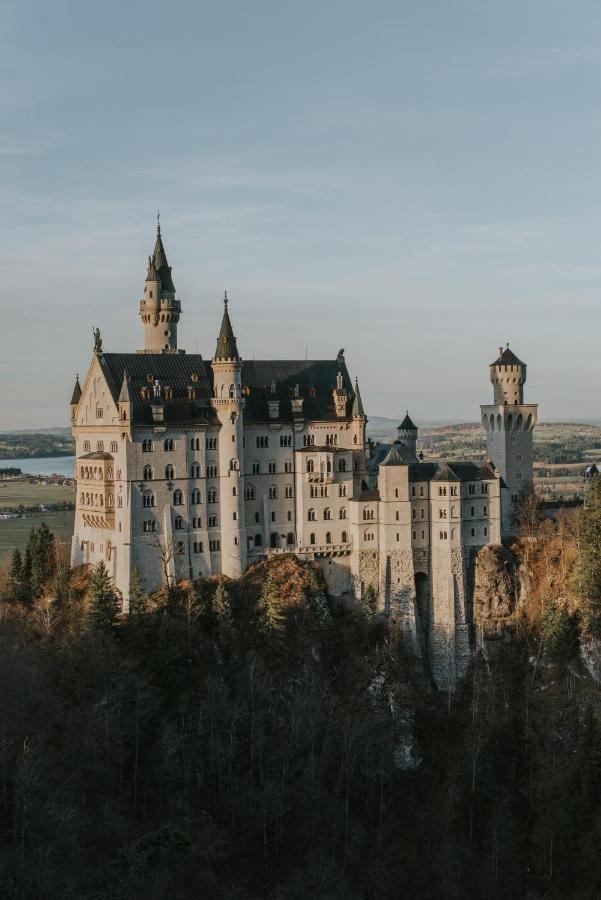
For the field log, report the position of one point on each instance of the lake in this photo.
(49, 465)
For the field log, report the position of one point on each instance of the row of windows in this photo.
(343, 538)
(100, 446)
(95, 473)
(326, 467)
(327, 514)
(87, 499)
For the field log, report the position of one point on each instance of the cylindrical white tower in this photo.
(159, 310)
(229, 405)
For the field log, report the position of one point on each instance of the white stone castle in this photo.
(187, 468)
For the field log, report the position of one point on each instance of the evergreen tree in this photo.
(222, 609)
(370, 603)
(318, 600)
(15, 582)
(138, 598)
(271, 616)
(560, 634)
(62, 583)
(103, 601)
(588, 575)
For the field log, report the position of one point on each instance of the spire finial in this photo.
(225, 300)
(158, 221)
(507, 345)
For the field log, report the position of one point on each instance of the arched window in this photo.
(344, 537)
(289, 538)
(312, 538)
(368, 536)
(273, 492)
(310, 465)
(327, 514)
(195, 471)
(453, 512)
(311, 516)
(148, 499)
(147, 446)
(232, 391)
(169, 473)
(212, 496)
(195, 496)
(147, 476)
(342, 490)
(178, 498)
(169, 444)
(271, 467)
(249, 492)
(342, 513)
(258, 540)
(328, 537)
(233, 465)
(368, 514)
(342, 465)
(179, 523)
(289, 491)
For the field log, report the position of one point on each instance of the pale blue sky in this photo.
(414, 182)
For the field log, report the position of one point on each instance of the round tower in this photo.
(159, 309)
(407, 434)
(229, 405)
(508, 375)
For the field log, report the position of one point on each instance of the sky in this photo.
(415, 182)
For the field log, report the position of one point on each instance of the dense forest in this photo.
(250, 739)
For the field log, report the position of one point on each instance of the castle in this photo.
(188, 468)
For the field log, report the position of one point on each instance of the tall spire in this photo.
(76, 397)
(160, 260)
(226, 342)
(357, 411)
(125, 395)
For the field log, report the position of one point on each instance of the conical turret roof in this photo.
(507, 357)
(226, 342)
(357, 411)
(125, 393)
(407, 424)
(76, 397)
(158, 267)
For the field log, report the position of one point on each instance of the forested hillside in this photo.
(249, 740)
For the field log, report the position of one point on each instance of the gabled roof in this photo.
(393, 458)
(226, 342)
(76, 396)
(446, 473)
(507, 357)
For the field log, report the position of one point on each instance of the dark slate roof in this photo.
(316, 380)
(407, 424)
(76, 396)
(366, 496)
(393, 458)
(381, 451)
(357, 410)
(98, 454)
(453, 471)
(226, 342)
(507, 358)
(176, 371)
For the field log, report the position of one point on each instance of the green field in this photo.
(22, 493)
(14, 532)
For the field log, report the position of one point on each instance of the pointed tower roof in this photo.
(125, 394)
(160, 260)
(407, 424)
(76, 397)
(357, 410)
(507, 358)
(152, 274)
(393, 458)
(446, 473)
(226, 342)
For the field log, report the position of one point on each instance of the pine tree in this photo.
(370, 603)
(560, 634)
(271, 616)
(318, 600)
(62, 584)
(222, 609)
(103, 601)
(15, 584)
(138, 598)
(588, 575)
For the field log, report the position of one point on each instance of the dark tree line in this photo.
(241, 740)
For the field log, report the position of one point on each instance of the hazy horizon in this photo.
(415, 183)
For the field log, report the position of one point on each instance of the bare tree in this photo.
(167, 552)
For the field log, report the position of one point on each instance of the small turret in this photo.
(75, 397)
(508, 375)
(226, 342)
(125, 399)
(159, 310)
(357, 410)
(407, 434)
